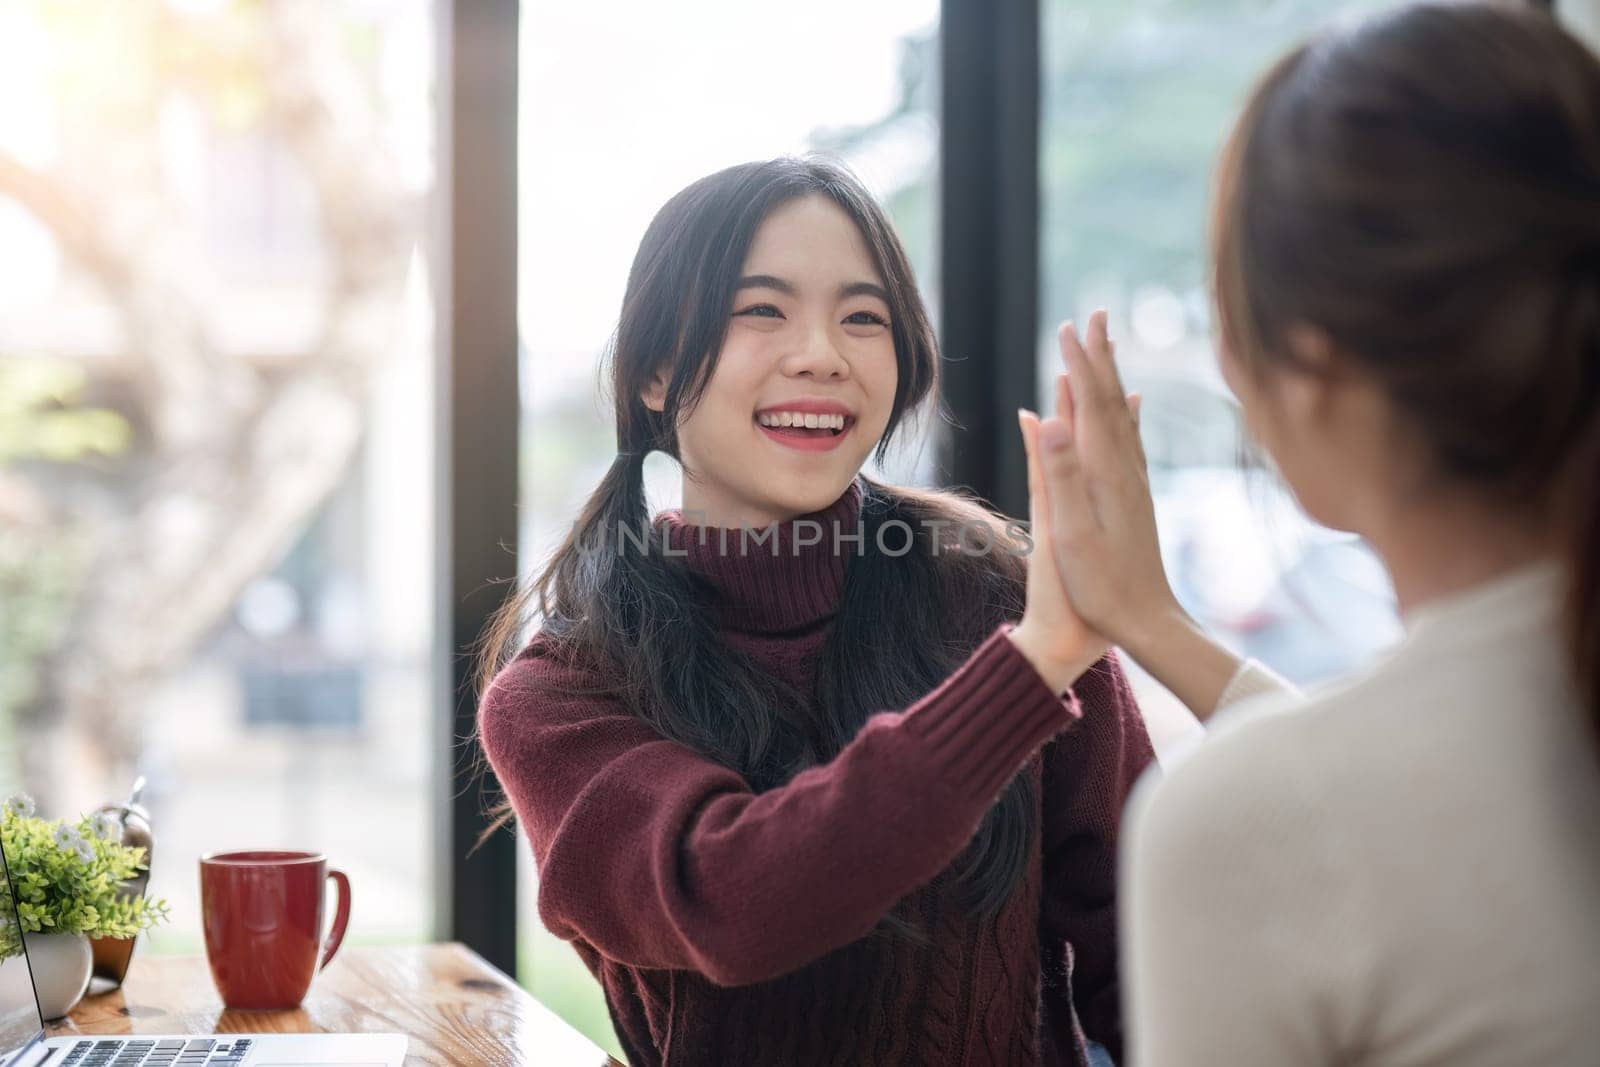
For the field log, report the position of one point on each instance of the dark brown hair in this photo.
(639, 621)
(1424, 188)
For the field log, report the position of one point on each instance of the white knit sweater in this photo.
(1400, 869)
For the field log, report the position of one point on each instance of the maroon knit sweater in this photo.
(729, 927)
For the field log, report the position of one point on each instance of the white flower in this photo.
(67, 837)
(20, 805)
(85, 851)
(107, 826)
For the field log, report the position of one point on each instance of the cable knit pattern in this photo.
(729, 927)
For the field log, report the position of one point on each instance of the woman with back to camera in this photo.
(1404, 867)
(798, 789)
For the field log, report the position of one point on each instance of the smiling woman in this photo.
(805, 802)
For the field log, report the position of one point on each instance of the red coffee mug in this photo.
(263, 914)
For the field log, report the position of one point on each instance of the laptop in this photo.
(23, 1044)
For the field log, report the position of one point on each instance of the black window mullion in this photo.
(988, 242)
(477, 438)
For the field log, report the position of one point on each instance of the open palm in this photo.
(1097, 491)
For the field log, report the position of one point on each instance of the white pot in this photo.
(61, 965)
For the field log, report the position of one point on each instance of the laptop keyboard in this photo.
(134, 1052)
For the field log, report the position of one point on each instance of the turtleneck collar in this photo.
(778, 582)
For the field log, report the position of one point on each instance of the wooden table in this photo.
(454, 1006)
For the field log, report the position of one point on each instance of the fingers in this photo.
(1089, 363)
(1102, 357)
(1036, 477)
(1080, 374)
(1065, 410)
(1135, 403)
(1095, 384)
(1065, 500)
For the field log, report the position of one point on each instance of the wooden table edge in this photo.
(107, 1013)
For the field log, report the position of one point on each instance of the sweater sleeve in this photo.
(661, 858)
(1088, 775)
(1252, 679)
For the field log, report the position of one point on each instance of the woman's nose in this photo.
(817, 357)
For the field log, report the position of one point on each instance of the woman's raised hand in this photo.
(1051, 634)
(1098, 527)
(1097, 495)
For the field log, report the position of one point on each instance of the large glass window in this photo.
(1136, 99)
(215, 454)
(622, 105)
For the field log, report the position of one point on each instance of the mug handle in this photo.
(341, 918)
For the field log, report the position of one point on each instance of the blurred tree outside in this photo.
(909, 130)
(1136, 100)
(39, 420)
(153, 461)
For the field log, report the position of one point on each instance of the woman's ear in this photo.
(654, 394)
(1308, 383)
(1325, 397)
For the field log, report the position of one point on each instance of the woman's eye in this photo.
(866, 318)
(764, 311)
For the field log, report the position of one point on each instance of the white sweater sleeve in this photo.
(1236, 943)
(1254, 678)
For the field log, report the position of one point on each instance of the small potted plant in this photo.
(68, 888)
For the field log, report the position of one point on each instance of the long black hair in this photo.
(641, 620)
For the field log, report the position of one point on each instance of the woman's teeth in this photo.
(796, 418)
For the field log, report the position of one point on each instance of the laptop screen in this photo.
(19, 1007)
